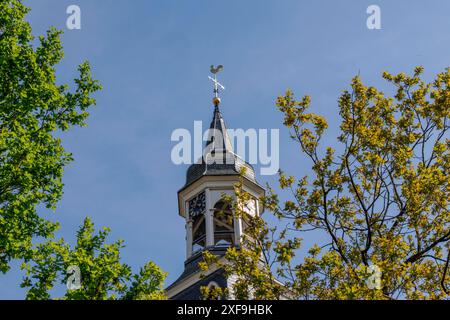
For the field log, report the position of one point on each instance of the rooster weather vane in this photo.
(217, 84)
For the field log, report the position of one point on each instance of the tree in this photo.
(380, 201)
(32, 109)
(101, 273)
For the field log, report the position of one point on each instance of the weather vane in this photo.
(217, 84)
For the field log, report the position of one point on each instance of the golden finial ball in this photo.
(216, 101)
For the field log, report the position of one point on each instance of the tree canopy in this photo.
(101, 273)
(379, 200)
(33, 108)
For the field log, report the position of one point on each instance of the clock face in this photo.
(197, 205)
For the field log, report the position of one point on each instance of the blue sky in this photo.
(153, 57)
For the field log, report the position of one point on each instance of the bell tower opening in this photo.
(198, 233)
(223, 224)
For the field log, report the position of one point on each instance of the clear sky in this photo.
(152, 58)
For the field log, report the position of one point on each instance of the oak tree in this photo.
(377, 202)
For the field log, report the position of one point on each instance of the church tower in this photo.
(200, 205)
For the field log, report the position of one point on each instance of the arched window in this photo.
(198, 233)
(223, 224)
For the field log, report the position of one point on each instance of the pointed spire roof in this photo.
(218, 138)
(218, 157)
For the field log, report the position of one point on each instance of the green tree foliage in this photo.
(380, 199)
(102, 275)
(32, 109)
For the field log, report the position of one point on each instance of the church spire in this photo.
(218, 157)
(218, 139)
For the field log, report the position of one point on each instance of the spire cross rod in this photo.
(217, 84)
